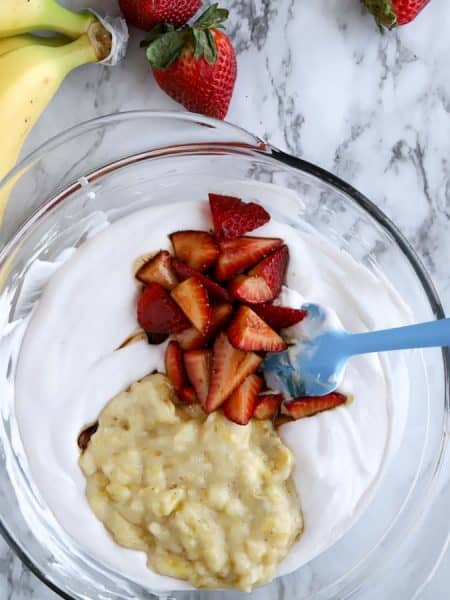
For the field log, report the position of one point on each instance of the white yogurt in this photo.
(68, 370)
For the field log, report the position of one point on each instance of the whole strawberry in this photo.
(391, 13)
(145, 14)
(196, 65)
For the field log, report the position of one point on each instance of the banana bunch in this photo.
(32, 68)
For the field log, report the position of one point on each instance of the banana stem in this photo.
(78, 52)
(100, 39)
(65, 21)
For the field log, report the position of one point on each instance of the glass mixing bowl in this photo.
(118, 164)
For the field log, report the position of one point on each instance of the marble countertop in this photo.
(317, 80)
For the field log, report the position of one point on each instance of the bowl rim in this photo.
(256, 146)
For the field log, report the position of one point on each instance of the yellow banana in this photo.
(29, 78)
(21, 41)
(22, 16)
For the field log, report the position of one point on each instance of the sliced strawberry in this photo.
(267, 406)
(249, 332)
(263, 283)
(158, 313)
(192, 297)
(279, 317)
(158, 269)
(174, 362)
(310, 405)
(220, 315)
(232, 217)
(253, 290)
(240, 406)
(242, 253)
(187, 395)
(198, 366)
(230, 367)
(215, 291)
(282, 420)
(191, 339)
(198, 249)
(273, 269)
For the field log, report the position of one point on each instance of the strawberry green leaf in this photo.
(164, 43)
(210, 51)
(383, 12)
(204, 45)
(157, 31)
(163, 51)
(199, 42)
(212, 17)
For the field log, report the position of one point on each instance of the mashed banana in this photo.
(208, 501)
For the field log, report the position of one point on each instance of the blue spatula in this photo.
(315, 367)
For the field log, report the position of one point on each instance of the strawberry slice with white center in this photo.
(174, 363)
(192, 297)
(233, 218)
(240, 406)
(157, 313)
(242, 253)
(158, 269)
(253, 290)
(191, 339)
(198, 249)
(215, 291)
(263, 283)
(230, 367)
(198, 367)
(279, 317)
(267, 406)
(311, 405)
(187, 395)
(249, 332)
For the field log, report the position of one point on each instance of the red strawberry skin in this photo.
(267, 406)
(391, 13)
(241, 253)
(192, 297)
(174, 364)
(198, 366)
(229, 369)
(310, 405)
(198, 86)
(192, 339)
(250, 333)
(198, 249)
(273, 269)
(145, 14)
(240, 407)
(263, 282)
(215, 291)
(279, 317)
(233, 218)
(158, 269)
(407, 10)
(158, 313)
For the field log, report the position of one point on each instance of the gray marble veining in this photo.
(317, 80)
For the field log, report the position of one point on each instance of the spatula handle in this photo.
(424, 335)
